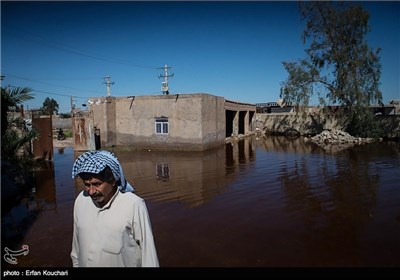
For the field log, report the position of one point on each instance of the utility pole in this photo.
(108, 84)
(164, 84)
(72, 104)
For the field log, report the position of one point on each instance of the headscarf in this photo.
(96, 161)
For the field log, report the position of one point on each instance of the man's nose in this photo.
(91, 190)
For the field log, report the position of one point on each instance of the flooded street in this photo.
(267, 202)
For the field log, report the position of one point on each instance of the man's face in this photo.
(99, 191)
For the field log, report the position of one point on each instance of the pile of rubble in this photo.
(337, 140)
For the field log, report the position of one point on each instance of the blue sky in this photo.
(230, 49)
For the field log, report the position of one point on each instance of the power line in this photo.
(63, 79)
(59, 94)
(53, 45)
(50, 84)
(68, 95)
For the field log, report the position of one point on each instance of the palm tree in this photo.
(14, 134)
(12, 98)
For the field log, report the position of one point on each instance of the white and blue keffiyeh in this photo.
(96, 161)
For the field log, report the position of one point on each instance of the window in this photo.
(162, 171)
(161, 126)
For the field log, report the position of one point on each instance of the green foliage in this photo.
(12, 142)
(50, 106)
(68, 133)
(15, 96)
(12, 97)
(300, 82)
(339, 67)
(14, 133)
(362, 123)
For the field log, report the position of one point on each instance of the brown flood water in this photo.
(267, 202)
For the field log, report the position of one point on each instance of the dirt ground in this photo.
(69, 142)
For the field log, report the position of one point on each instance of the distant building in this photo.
(273, 107)
(392, 108)
(383, 110)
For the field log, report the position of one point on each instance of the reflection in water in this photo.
(16, 221)
(260, 202)
(45, 192)
(40, 197)
(162, 171)
(40, 220)
(193, 178)
(328, 209)
(334, 197)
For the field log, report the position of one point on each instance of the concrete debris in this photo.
(337, 140)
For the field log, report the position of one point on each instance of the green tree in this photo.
(10, 99)
(339, 68)
(14, 133)
(50, 106)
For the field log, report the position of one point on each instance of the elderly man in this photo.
(111, 224)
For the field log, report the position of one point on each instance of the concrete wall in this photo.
(305, 124)
(196, 121)
(103, 110)
(213, 125)
(312, 124)
(61, 123)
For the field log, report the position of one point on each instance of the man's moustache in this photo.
(96, 195)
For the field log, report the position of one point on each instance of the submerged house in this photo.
(186, 122)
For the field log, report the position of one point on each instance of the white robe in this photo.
(116, 235)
